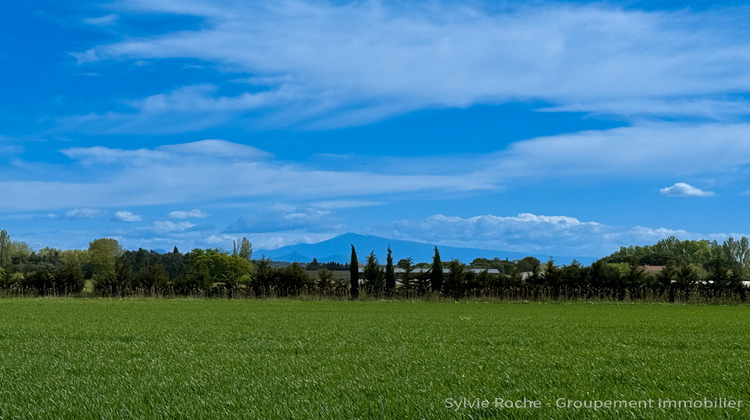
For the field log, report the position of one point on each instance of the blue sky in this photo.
(568, 128)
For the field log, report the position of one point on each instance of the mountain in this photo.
(338, 249)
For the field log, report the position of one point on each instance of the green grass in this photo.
(150, 358)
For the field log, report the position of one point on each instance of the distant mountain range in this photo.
(338, 249)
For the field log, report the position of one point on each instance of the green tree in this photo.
(406, 264)
(528, 264)
(227, 271)
(70, 274)
(197, 279)
(103, 254)
(325, 282)
(373, 275)
(292, 280)
(354, 274)
(152, 277)
(390, 275)
(454, 284)
(436, 276)
(313, 265)
(263, 277)
(5, 249)
(243, 248)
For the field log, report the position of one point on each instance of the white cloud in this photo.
(643, 150)
(165, 226)
(535, 234)
(84, 214)
(178, 174)
(346, 204)
(271, 240)
(107, 20)
(194, 213)
(525, 231)
(217, 149)
(206, 148)
(283, 218)
(348, 63)
(681, 189)
(126, 216)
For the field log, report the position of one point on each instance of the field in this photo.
(151, 358)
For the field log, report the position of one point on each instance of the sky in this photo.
(560, 127)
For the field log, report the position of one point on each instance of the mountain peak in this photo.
(338, 249)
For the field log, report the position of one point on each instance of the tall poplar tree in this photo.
(390, 275)
(5, 248)
(354, 274)
(436, 277)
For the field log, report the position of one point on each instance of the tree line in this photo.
(687, 270)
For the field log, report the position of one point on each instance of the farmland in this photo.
(193, 358)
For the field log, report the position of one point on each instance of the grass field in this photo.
(136, 358)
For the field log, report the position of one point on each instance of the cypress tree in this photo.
(354, 274)
(390, 275)
(436, 277)
(373, 275)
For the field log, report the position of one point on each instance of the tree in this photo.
(70, 275)
(354, 274)
(243, 249)
(406, 265)
(325, 281)
(5, 249)
(313, 265)
(454, 285)
(264, 278)
(373, 274)
(528, 264)
(390, 275)
(436, 278)
(103, 253)
(292, 279)
(227, 271)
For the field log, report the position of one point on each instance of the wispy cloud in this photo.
(84, 214)
(126, 216)
(681, 189)
(643, 150)
(539, 234)
(194, 213)
(311, 219)
(342, 64)
(211, 170)
(165, 226)
(107, 20)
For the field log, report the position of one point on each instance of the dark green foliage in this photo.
(243, 249)
(5, 249)
(668, 249)
(390, 276)
(528, 264)
(695, 271)
(41, 280)
(325, 283)
(313, 265)
(264, 278)
(374, 276)
(454, 284)
(503, 266)
(197, 280)
(436, 278)
(407, 283)
(354, 274)
(70, 277)
(292, 279)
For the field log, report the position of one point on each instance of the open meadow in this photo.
(191, 358)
